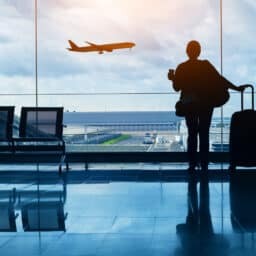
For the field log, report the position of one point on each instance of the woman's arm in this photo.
(230, 85)
(225, 81)
(175, 78)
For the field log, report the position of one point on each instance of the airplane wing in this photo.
(115, 46)
(91, 44)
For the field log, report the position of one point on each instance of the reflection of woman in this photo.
(194, 78)
(199, 218)
(197, 234)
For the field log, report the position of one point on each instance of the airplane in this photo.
(100, 48)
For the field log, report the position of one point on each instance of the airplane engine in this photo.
(109, 50)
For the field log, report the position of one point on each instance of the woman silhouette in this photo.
(195, 78)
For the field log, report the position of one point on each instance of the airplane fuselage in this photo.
(101, 48)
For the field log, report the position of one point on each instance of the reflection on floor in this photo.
(76, 214)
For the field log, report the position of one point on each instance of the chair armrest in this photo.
(35, 139)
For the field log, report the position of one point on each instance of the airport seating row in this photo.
(40, 130)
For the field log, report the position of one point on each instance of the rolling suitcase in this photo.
(243, 136)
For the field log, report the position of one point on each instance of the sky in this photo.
(160, 29)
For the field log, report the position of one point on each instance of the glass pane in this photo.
(238, 49)
(105, 83)
(17, 55)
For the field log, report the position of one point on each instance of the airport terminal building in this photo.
(124, 121)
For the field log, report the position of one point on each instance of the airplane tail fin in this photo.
(73, 45)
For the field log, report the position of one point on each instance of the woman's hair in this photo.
(193, 49)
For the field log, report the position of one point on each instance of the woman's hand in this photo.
(171, 74)
(241, 88)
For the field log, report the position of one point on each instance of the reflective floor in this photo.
(122, 213)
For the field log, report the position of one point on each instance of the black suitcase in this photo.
(242, 141)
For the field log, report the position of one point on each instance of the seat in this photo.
(43, 216)
(6, 128)
(41, 132)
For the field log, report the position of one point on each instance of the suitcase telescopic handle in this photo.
(242, 96)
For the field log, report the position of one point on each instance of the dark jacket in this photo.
(199, 79)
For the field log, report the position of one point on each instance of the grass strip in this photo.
(118, 139)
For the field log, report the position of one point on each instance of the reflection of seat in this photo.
(30, 196)
(6, 128)
(7, 212)
(242, 202)
(7, 218)
(43, 216)
(41, 130)
(44, 194)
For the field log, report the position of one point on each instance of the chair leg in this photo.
(67, 167)
(62, 161)
(60, 169)
(12, 147)
(232, 168)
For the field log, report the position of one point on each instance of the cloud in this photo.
(251, 3)
(4, 39)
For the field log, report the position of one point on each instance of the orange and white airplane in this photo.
(100, 48)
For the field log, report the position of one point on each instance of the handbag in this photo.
(186, 105)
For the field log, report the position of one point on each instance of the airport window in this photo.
(119, 100)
